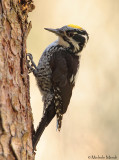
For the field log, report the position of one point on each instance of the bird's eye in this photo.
(69, 34)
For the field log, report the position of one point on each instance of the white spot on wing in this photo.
(72, 78)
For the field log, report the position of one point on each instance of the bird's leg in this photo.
(31, 66)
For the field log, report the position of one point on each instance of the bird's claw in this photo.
(32, 66)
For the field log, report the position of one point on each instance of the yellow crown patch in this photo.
(75, 26)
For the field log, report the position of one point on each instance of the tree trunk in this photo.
(16, 122)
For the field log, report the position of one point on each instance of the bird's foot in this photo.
(30, 63)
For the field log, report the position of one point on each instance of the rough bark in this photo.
(15, 110)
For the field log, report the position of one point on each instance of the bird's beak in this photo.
(56, 31)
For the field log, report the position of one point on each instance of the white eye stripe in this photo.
(75, 33)
(85, 36)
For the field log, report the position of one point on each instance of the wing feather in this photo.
(63, 66)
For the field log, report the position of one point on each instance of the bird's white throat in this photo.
(62, 42)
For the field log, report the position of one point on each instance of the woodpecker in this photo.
(55, 73)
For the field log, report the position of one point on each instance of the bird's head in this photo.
(71, 36)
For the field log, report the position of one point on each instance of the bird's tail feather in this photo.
(46, 119)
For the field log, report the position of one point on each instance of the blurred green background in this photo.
(91, 124)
